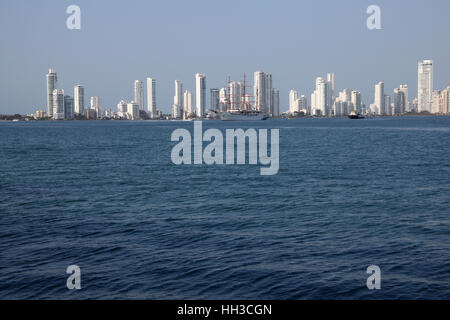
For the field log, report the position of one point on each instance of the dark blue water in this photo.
(105, 196)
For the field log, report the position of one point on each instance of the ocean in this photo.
(105, 196)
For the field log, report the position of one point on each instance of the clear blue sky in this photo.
(296, 41)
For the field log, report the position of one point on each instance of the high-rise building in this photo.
(133, 110)
(178, 100)
(444, 105)
(356, 101)
(52, 80)
(215, 99)
(151, 97)
(275, 102)
(122, 109)
(78, 94)
(200, 94)
(404, 89)
(330, 93)
(223, 96)
(388, 109)
(68, 107)
(187, 102)
(268, 92)
(379, 99)
(235, 90)
(435, 101)
(96, 105)
(399, 102)
(58, 104)
(139, 93)
(293, 96)
(425, 85)
(319, 98)
(259, 91)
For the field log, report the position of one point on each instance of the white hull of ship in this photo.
(231, 116)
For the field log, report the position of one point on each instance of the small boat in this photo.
(355, 115)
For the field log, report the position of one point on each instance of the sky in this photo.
(295, 41)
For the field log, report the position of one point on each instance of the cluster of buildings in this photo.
(324, 101)
(236, 95)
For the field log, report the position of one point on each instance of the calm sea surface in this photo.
(106, 197)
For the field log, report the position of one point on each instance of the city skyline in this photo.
(265, 99)
(294, 56)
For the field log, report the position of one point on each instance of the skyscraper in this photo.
(68, 107)
(177, 100)
(356, 101)
(379, 99)
(235, 90)
(319, 98)
(425, 85)
(52, 80)
(268, 92)
(214, 93)
(435, 101)
(293, 96)
(259, 91)
(388, 109)
(404, 89)
(139, 93)
(330, 93)
(79, 99)
(444, 105)
(275, 102)
(58, 104)
(399, 102)
(200, 94)
(96, 105)
(187, 102)
(151, 97)
(223, 96)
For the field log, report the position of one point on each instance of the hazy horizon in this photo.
(172, 40)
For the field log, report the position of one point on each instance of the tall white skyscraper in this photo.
(259, 91)
(435, 101)
(178, 100)
(200, 94)
(58, 104)
(319, 98)
(52, 80)
(78, 94)
(425, 85)
(139, 93)
(293, 96)
(275, 102)
(187, 102)
(151, 97)
(379, 99)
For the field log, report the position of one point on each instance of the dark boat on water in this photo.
(354, 115)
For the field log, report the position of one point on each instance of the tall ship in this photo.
(237, 105)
